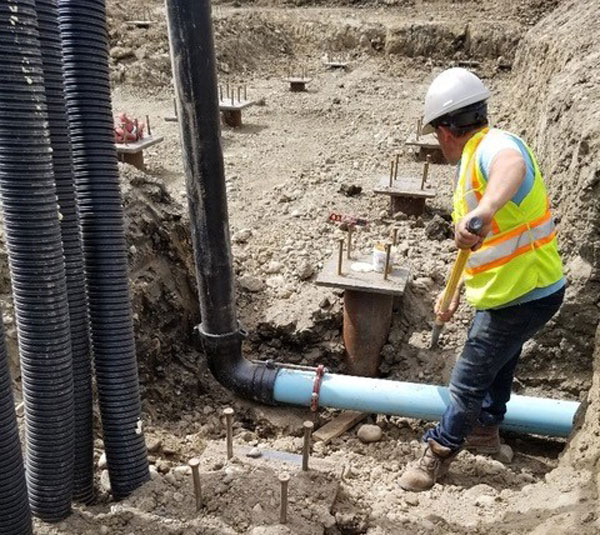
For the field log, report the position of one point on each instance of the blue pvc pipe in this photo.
(527, 414)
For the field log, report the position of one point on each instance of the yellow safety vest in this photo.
(520, 253)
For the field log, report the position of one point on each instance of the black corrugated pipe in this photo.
(87, 90)
(83, 477)
(15, 515)
(194, 71)
(36, 262)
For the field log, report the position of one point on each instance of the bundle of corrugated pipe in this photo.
(64, 233)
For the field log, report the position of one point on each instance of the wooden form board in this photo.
(228, 104)
(427, 142)
(403, 187)
(370, 281)
(338, 426)
(138, 146)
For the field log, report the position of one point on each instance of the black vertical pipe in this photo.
(15, 515)
(87, 90)
(62, 162)
(36, 261)
(195, 73)
(194, 70)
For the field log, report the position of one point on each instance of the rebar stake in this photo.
(425, 171)
(340, 256)
(148, 125)
(391, 173)
(308, 428)
(395, 236)
(386, 269)
(194, 465)
(284, 480)
(229, 412)
(396, 167)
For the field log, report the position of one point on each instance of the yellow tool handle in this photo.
(453, 280)
(474, 226)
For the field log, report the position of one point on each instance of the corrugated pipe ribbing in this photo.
(36, 262)
(15, 515)
(87, 90)
(83, 477)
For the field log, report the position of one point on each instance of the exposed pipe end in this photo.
(250, 380)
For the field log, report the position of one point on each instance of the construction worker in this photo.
(513, 278)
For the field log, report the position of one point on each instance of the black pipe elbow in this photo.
(250, 380)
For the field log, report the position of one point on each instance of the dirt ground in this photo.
(292, 164)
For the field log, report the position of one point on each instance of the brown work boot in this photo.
(423, 474)
(484, 440)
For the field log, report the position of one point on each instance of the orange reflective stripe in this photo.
(518, 230)
(504, 260)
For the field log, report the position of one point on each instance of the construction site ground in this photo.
(298, 158)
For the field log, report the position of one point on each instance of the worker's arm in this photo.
(506, 176)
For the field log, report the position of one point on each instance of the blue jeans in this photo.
(482, 378)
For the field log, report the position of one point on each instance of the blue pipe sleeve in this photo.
(527, 414)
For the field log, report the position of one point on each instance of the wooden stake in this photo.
(395, 236)
(228, 412)
(308, 427)
(391, 173)
(386, 269)
(194, 465)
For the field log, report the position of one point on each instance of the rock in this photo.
(369, 433)
(505, 455)
(254, 453)
(242, 236)
(251, 283)
(153, 444)
(305, 270)
(273, 267)
(437, 228)
(325, 303)
(183, 470)
(162, 466)
(153, 472)
(104, 481)
(350, 190)
(102, 461)
(104, 530)
(411, 499)
(121, 52)
(485, 501)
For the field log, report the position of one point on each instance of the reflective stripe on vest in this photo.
(499, 250)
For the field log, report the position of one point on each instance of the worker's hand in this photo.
(465, 239)
(446, 316)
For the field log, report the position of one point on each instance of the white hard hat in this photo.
(452, 90)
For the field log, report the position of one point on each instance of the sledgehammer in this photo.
(474, 226)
